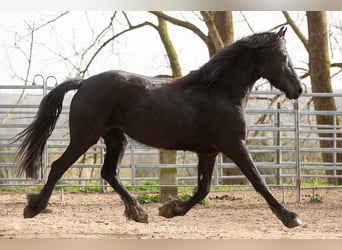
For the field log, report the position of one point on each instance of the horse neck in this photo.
(239, 79)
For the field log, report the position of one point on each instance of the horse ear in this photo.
(281, 32)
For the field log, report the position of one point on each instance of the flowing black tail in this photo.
(34, 137)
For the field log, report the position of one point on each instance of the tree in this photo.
(318, 48)
(168, 176)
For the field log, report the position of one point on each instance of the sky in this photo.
(139, 51)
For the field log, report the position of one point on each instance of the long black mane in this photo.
(206, 75)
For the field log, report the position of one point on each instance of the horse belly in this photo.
(174, 134)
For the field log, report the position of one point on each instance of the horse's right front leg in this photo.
(239, 154)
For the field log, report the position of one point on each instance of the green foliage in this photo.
(184, 196)
(146, 198)
(316, 199)
(146, 186)
(187, 196)
(12, 189)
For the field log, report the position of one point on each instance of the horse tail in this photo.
(33, 139)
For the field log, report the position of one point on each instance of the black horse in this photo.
(203, 112)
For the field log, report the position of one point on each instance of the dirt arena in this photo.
(240, 214)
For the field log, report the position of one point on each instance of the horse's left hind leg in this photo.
(115, 146)
(176, 207)
(38, 202)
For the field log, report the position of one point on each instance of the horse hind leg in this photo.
(38, 202)
(115, 146)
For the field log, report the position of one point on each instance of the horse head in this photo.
(275, 65)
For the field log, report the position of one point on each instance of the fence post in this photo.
(335, 144)
(102, 156)
(45, 154)
(297, 147)
(278, 153)
(132, 147)
(216, 174)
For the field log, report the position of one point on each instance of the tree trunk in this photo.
(224, 23)
(220, 28)
(168, 176)
(319, 68)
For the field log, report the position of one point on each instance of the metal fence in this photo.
(283, 138)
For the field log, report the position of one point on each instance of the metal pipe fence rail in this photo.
(283, 138)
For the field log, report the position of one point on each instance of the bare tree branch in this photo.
(181, 23)
(127, 19)
(49, 22)
(337, 65)
(213, 32)
(295, 28)
(133, 27)
(246, 21)
(99, 36)
(29, 61)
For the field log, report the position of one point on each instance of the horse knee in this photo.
(110, 176)
(106, 175)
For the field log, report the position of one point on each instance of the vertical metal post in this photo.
(216, 172)
(278, 153)
(102, 155)
(132, 147)
(297, 147)
(335, 144)
(45, 163)
(45, 153)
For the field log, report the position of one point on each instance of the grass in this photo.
(146, 198)
(187, 196)
(13, 189)
(147, 186)
(310, 185)
(316, 199)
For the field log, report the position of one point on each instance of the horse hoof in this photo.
(165, 211)
(136, 213)
(142, 217)
(29, 213)
(294, 223)
(172, 208)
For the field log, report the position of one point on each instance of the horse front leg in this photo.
(239, 154)
(177, 207)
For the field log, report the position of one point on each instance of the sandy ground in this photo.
(240, 214)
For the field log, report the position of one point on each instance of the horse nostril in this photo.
(300, 91)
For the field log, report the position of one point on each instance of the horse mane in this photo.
(210, 71)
